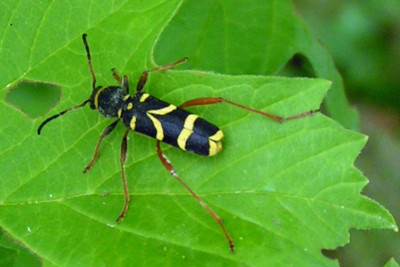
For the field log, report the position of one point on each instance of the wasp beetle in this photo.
(163, 121)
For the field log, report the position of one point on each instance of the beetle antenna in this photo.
(60, 114)
(85, 43)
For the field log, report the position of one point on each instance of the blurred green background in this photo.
(363, 37)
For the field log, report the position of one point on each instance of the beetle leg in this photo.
(106, 131)
(167, 164)
(126, 193)
(123, 81)
(143, 77)
(116, 76)
(218, 100)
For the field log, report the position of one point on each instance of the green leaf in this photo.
(11, 254)
(391, 263)
(251, 37)
(284, 191)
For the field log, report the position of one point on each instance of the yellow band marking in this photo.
(183, 137)
(156, 122)
(144, 97)
(189, 122)
(215, 144)
(162, 111)
(132, 124)
(130, 106)
(119, 112)
(96, 97)
(215, 147)
(186, 131)
(126, 97)
(157, 125)
(217, 136)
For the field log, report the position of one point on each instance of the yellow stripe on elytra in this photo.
(156, 122)
(130, 106)
(183, 137)
(189, 122)
(215, 144)
(186, 131)
(217, 136)
(162, 111)
(215, 147)
(96, 97)
(132, 124)
(119, 112)
(144, 97)
(157, 125)
(126, 97)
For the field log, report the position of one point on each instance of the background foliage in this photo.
(284, 191)
(364, 40)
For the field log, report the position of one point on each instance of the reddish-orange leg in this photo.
(106, 132)
(143, 77)
(123, 81)
(126, 193)
(218, 100)
(167, 164)
(115, 75)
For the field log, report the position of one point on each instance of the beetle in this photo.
(160, 120)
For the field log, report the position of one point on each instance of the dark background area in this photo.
(363, 37)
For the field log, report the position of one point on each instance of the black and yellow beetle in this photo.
(163, 121)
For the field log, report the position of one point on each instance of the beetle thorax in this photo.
(109, 100)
